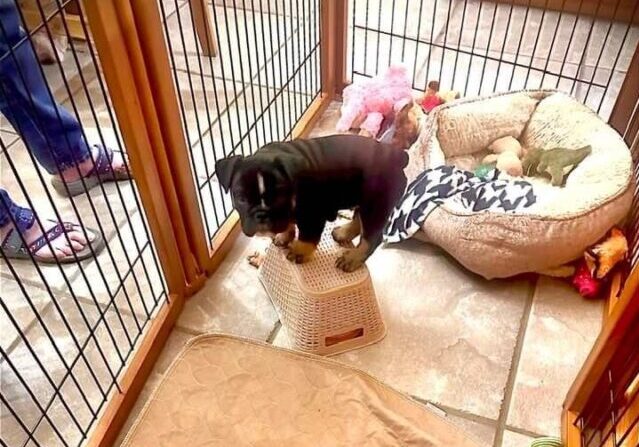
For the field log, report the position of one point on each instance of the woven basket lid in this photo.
(320, 276)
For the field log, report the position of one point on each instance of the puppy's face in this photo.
(261, 191)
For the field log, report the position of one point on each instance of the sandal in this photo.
(14, 248)
(101, 172)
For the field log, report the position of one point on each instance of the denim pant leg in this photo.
(22, 216)
(49, 131)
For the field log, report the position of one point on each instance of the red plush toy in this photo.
(431, 99)
(583, 281)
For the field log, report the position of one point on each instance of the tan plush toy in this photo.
(506, 154)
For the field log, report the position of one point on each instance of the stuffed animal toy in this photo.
(557, 162)
(603, 257)
(433, 97)
(583, 281)
(483, 170)
(406, 126)
(506, 154)
(367, 103)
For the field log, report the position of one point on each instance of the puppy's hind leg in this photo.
(372, 225)
(373, 215)
(344, 234)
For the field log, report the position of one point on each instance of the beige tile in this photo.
(202, 97)
(441, 320)
(273, 6)
(239, 57)
(170, 6)
(560, 333)
(8, 137)
(177, 340)
(152, 382)
(65, 78)
(129, 260)
(73, 347)
(253, 118)
(233, 300)
(512, 439)
(14, 298)
(92, 107)
(483, 434)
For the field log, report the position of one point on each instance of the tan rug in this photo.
(226, 391)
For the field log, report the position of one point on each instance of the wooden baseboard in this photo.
(115, 413)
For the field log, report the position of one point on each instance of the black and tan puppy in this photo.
(306, 182)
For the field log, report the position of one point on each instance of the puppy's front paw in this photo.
(345, 234)
(282, 240)
(350, 261)
(300, 252)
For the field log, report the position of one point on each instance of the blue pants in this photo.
(50, 132)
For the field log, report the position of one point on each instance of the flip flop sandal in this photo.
(101, 172)
(13, 248)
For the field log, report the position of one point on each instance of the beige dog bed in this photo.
(230, 392)
(564, 220)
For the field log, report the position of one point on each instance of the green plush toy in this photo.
(557, 162)
(482, 170)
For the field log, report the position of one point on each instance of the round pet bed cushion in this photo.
(564, 220)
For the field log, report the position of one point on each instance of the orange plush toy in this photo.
(592, 272)
(604, 256)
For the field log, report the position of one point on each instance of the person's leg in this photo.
(50, 132)
(14, 216)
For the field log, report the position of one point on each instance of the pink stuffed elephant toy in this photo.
(368, 102)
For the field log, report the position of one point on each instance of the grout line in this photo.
(459, 413)
(523, 431)
(514, 366)
(274, 332)
(30, 325)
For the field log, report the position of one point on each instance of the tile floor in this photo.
(496, 357)
(501, 389)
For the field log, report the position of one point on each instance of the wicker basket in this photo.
(323, 310)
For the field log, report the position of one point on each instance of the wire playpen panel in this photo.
(263, 78)
(68, 330)
(478, 47)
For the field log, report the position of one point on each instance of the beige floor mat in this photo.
(227, 391)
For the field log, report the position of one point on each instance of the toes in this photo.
(64, 250)
(78, 236)
(280, 243)
(296, 258)
(77, 246)
(348, 265)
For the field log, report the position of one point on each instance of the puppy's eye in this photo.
(241, 200)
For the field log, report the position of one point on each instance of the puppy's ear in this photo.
(225, 168)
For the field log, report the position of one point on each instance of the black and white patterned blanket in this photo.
(444, 183)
